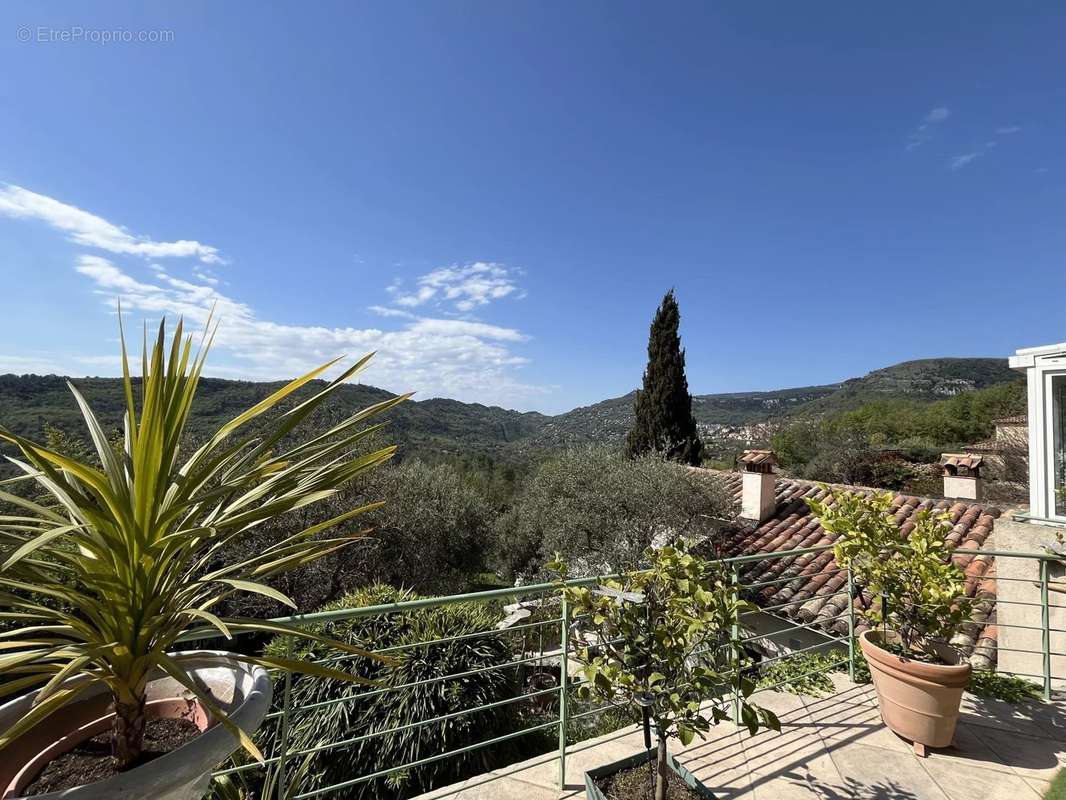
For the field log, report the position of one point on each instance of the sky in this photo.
(495, 196)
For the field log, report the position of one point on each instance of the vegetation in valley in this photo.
(602, 511)
(476, 437)
(885, 443)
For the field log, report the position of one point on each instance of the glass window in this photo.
(1058, 413)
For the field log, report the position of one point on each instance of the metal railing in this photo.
(540, 647)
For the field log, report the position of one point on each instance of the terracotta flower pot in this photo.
(919, 701)
(240, 689)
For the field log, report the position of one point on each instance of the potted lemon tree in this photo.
(915, 593)
(662, 640)
(106, 565)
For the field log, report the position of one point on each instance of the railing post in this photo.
(285, 708)
(735, 633)
(851, 625)
(1045, 626)
(564, 684)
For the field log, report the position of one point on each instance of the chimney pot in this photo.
(758, 499)
(962, 476)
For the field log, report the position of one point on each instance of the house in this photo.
(811, 590)
(1038, 647)
(1006, 451)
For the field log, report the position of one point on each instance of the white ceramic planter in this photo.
(240, 689)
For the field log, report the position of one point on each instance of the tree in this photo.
(664, 421)
(602, 510)
(666, 640)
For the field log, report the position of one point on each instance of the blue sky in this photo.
(496, 195)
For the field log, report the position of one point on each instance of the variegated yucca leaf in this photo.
(120, 560)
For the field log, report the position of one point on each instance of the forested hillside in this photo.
(472, 432)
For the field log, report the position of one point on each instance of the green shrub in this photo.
(384, 711)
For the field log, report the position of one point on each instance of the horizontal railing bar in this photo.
(1000, 648)
(796, 603)
(591, 712)
(387, 689)
(806, 626)
(207, 633)
(790, 578)
(428, 760)
(446, 640)
(411, 725)
(826, 643)
(997, 601)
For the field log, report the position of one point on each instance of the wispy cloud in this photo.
(90, 230)
(460, 358)
(437, 357)
(385, 311)
(924, 132)
(958, 162)
(464, 288)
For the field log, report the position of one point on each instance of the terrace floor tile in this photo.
(829, 748)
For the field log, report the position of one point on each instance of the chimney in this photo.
(757, 501)
(962, 476)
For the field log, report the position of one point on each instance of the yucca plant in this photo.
(121, 559)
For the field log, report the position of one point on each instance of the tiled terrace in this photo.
(829, 748)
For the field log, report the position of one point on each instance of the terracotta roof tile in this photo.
(811, 588)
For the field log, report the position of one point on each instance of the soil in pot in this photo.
(638, 783)
(91, 760)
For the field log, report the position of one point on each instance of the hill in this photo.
(449, 428)
(444, 427)
(745, 416)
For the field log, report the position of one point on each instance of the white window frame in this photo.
(1054, 434)
(1041, 366)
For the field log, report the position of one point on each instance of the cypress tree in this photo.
(664, 421)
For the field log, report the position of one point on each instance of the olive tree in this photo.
(601, 511)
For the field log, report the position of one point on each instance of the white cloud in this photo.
(924, 132)
(1007, 130)
(435, 357)
(958, 162)
(90, 230)
(464, 288)
(385, 311)
(459, 358)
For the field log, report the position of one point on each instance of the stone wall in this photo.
(1018, 581)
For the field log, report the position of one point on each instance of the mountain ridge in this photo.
(452, 427)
